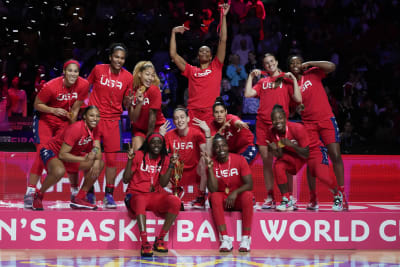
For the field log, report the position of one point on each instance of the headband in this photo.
(153, 135)
(71, 61)
(118, 47)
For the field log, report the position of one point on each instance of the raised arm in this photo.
(39, 105)
(249, 91)
(296, 89)
(326, 66)
(179, 61)
(223, 35)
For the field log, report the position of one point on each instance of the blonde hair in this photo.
(140, 67)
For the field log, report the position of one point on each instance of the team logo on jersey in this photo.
(226, 173)
(67, 96)
(202, 74)
(150, 168)
(110, 83)
(182, 145)
(270, 85)
(84, 141)
(227, 135)
(306, 85)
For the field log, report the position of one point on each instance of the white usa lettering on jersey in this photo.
(67, 96)
(146, 101)
(306, 85)
(226, 173)
(202, 74)
(110, 83)
(227, 135)
(182, 145)
(269, 85)
(84, 141)
(150, 168)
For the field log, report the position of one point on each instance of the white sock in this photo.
(74, 191)
(30, 190)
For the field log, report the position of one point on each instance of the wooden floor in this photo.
(281, 258)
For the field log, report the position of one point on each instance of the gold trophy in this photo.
(178, 171)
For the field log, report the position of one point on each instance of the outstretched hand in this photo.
(131, 152)
(241, 124)
(225, 7)
(207, 159)
(164, 128)
(180, 29)
(201, 124)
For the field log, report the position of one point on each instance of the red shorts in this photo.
(138, 132)
(327, 130)
(318, 163)
(110, 132)
(46, 131)
(158, 202)
(47, 155)
(190, 177)
(262, 130)
(287, 164)
(204, 114)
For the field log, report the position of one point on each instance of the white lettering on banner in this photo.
(273, 225)
(61, 182)
(293, 234)
(364, 225)
(225, 173)
(184, 231)
(110, 231)
(182, 145)
(126, 230)
(387, 206)
(91, 233)
(39, 230)
(11, 230)
(65, 226)
(322, 232)
(239, 230)
(202, 74)
(150, 230)
(110, 83)
(337, 237)
(382, 233)
(306, 85)
(205, 231)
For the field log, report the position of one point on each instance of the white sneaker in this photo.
(245, 244)
(285, 205)
(293, 202)
(312, 205)
(226, 244)
(269, 203)
(338, 202)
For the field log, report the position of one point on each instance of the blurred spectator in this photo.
(252, 62)
(236, 73)
(168, 87)
(17, 106)
(206, 20)
(243, 52)
(349, 140)
(242, 35)
(231, 100)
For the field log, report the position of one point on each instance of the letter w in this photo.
(273, 225)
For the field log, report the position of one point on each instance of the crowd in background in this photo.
(360, 37)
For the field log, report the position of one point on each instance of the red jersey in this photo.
(229, 174)
(76, 135)
(237, 141)
(109, 90)
(188, 146)
(316, 103)
(145, 175)
(204, 84)
(152, 100)
(295, 132)
(270, 96)
(56, 95)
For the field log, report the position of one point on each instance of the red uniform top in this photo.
(237, 141)
(270, 96)
(229, 174)
(55, 94)
(296, 133)
(204, 84)
(152, 100)
(188, 146)
(76, 135)
(316, 103)
(109, 90)
(146, 175)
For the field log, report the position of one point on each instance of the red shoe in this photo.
(79, 203)
(160, 246)
(146, 251)
(37, 201)
(199, 202)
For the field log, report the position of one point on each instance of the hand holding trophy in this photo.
(178, 171)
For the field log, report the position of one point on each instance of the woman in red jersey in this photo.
(204, 82)
(146, 173)
(240, 139)
(76, 148)
(111, 85)
(230, 185)
(145, 109)
(318, 117)
(57, 105)
(277, 88)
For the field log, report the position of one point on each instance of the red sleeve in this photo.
(136, 162)
(201, 139)
(155, 97)
(188, 70)
(244, 167)
(318, 72)
(289, 87)
(83, 89)
(92, 75)
(270, 137)
(216, 63)
(301, 135)
(164, 166)
(233, 118)
(72, 134)
(45, 94)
